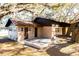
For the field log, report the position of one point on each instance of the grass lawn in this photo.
(15, 49)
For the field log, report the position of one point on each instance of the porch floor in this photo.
(45, 42)
(38, 42)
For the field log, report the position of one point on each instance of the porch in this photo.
(38, 43)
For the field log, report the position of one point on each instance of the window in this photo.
(57, 30)
(21, 29)
(29, 29)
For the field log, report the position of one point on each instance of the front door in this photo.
(36, 30)
(26, 32)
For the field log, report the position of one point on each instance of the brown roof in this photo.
(21, 23)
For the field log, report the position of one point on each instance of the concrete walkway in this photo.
(38, 43)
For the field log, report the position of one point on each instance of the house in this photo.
(20, 30)
(7, 28)
(37, 28)
(31, 30)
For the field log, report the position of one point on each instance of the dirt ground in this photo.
(12, 48)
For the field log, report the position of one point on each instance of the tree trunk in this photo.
(70, 29)
(76, 35)
(73, 29)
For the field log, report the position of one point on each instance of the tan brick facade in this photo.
(31, 32)
(44, 31)
(47, 31)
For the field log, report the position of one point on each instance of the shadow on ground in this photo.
(55, 51)
(4, 40)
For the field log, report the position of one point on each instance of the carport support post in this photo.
(63, 30)
(20, 31)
